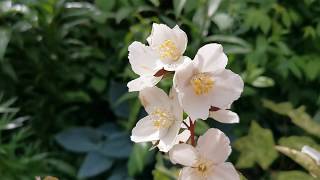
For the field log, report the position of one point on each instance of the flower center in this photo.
(202, 83)
(162, 118)
(169, 50)
(203, 168)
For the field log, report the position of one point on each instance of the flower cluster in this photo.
(202, 88)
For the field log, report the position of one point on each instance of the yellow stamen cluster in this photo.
(202, 83)
(168, 50)
(203, 168)
(162, 118)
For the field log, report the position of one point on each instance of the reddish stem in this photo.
(191, 129)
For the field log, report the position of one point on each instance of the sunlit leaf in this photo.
(256, 147)
(297, 142)
(301, 158)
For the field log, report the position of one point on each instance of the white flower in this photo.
(204, 82)
(163, 121)
(206, 161)
(314, 154)
(164, 53)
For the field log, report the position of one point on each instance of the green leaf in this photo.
(79, 139)
(256, 147)
(77, 96)
(223, 21)
(123, 13)
(117, 146)
(98, 84)
(94, 164)
(301, 158)
(178, 6)
(280, 108)
(298, 116)
(297, 142)
(213, 6)
(231, 44)
(201, 127)
(4, 40)
(138, 159)
(105, 5)
(263, 82)
(292, 175)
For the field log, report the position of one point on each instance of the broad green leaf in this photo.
(105, 5)
(4, 40)
(213, 5)
(94, 164)
(223, 21)
(178, 6)
(79, 139)
(77, 96)
(116, 146)
(201, 127)
(298, 116)
(123, 13)
(301, 158)
(263, 82)
(280, 108)
(138, 159)
(292, 175)
(155, 2)
(231, 44)
(256, 147)
(98, 84)
(297, 142)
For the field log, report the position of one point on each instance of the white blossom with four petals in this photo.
(204, 82)
(165, 52)
(206, 161)
(164, 119)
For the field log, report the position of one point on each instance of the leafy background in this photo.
(64, 106)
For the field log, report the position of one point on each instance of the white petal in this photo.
(173, 65)
(314, 154)
(181, 38)
(211, 58)
(143, 59)
(186, 121)
(183, 137)
(143, 82)
(176, 108)
(225, 171)
(169, 140)
(182, 76)
(183, 154)
(224, 116)
(145, 131)
(214, 145)
(197, 107)
(227, 88)
(188, 173)
(154, 97)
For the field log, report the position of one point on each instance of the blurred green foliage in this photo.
(66, 63)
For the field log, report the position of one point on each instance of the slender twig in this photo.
(191, 129)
